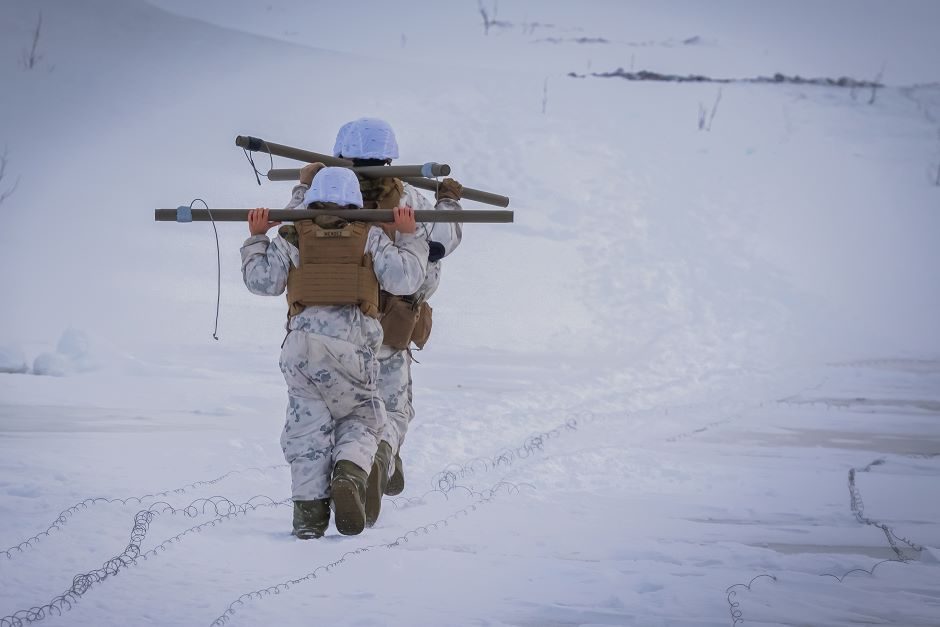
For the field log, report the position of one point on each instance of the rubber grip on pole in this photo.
(184, 214)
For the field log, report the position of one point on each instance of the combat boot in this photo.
(396, 482)
(349, 495)
(311, 518)
(378, 479)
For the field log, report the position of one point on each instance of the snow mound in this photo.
(73, 354)
(75, 346)
(52, 365)
(12, 359)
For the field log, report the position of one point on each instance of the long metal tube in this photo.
(259, 145)
(255, 144)
(424, 171)
(185, 214)
(468, 193)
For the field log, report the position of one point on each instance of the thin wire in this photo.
(218, 261)
(225, 509)
(735, 606)
(479, 499)
(251, 161)
(857, 506)
(86, 504)
(219, 506)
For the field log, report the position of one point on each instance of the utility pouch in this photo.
(398, 317)
(422, 329)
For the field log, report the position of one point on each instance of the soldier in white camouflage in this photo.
(335, 416)
(406, 320)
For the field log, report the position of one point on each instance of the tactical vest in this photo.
(334, 269)
(404, 319)
(381, 193)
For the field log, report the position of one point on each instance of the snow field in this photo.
(644, 398)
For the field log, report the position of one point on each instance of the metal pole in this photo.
(259, 145)
(255, 144)
(428, 170)
(468, 193)
(186, 214)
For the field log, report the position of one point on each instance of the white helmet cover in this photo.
(366, 138)
(335, 185)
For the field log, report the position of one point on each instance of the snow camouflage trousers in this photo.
(334, 411)
(395, 389)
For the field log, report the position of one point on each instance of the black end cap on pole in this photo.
(250, 143)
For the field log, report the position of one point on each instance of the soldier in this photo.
(333, 271)
(405, 319)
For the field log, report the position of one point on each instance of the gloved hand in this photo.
(436, 251)
(309, 171)
(449, 188)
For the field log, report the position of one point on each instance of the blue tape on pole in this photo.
(427, 170)
(184, 214)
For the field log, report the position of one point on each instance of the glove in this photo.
(449, 188)
(309, 171)
(436, 251)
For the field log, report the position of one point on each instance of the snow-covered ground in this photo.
(697, 382)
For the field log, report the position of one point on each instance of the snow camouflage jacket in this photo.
(399, 267)
(446, 234)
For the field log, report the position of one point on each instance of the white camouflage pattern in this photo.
(329, 357)
(395, 389)
(394, 383)
(334, 411)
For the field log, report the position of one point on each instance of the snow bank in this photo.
(52, 365)
(12, 359)
(72, 354)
